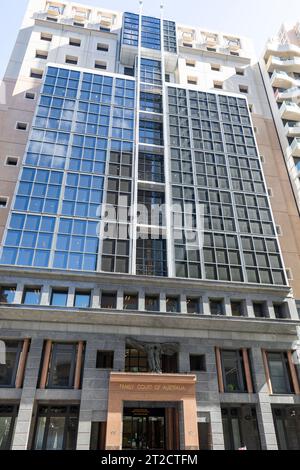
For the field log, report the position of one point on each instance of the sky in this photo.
(257, 19)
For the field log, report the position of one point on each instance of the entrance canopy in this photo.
(151, 388)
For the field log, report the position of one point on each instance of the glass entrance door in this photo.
(144, 429)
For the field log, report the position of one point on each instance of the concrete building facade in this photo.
(169, 331)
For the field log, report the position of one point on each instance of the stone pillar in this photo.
(120, 299)
(205, 305)
(191, 440)
(227, 307)
(45, 295)
(217, 428)
(19, 293)
(249, 308)
(270, 310)
(24, 419)
(264, 411)
(85, 414)
(95, 297)
(183, 305)
(71, 297)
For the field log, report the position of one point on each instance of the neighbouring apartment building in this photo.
(136, 332)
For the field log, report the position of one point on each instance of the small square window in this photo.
(7, 294)
(105, 360)
(71, 60)
(130, 302)
(41, 55)
(29, 95)
(190, 63)
(59, 297)
(259, 309)
(192, 80)
(197, 363)
(74, 42)
(3, 202)
(152, 303)
(82, 299)
(46, 37)
(193, 305)
(129, 71)
(31, 296)
(173, 304)
(102, 47)
(237, 308)
(243, 89)
(281, 310)
(21, 126)
(109, 300)
(215, 67)
(100, 65)
(36, 73)
(218, 85)
(12, 161)
(240, 72)
(216, 307)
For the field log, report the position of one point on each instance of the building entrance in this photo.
(144, 429)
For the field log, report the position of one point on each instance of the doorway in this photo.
(144, 429)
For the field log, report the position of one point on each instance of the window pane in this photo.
(31, 297)
(59, 298)
(61, 373)
(55, 433)
(82, 300)
(279, 373)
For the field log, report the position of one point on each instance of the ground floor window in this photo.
(8, 415)
(287, 426)
(56, 428)
(240, 428)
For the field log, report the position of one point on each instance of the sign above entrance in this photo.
(152, 387)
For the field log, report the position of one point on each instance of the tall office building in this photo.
(281, 67)
(147, 300)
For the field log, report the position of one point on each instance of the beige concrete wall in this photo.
(283, 203)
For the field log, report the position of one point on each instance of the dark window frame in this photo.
(83, 292)
(53, 357)
(31, 289)
(109, 295)
(69, 414)
(18, 351)
(241, 376)
(202, 362)
(10, 414)
(286, 373)
(3, 288)
(105, 359)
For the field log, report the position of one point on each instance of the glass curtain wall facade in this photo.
(193, 290)
(80, 155)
